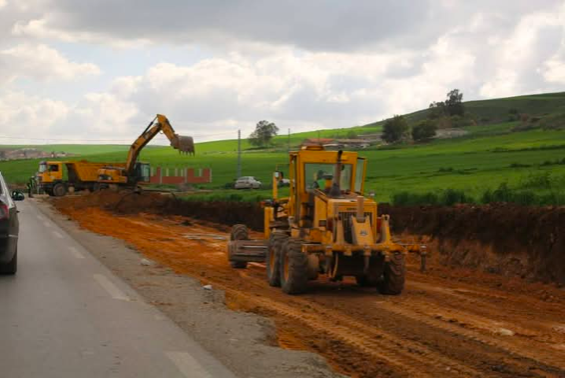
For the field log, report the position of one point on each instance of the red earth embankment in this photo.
(513, 240)
(507, 239)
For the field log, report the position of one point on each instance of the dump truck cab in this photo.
(50, 175)
(50, 171)
(326, 226)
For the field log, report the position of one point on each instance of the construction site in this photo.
(489, 303)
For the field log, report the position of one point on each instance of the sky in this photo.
(98, 71)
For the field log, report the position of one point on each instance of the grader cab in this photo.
(325, 227)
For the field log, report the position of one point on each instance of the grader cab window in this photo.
(360, 167)
(53, 168)
(317, 173)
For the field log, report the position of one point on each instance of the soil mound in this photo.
(508, 239)
(511, 240)
(125, 202)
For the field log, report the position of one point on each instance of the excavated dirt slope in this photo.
(450, 321)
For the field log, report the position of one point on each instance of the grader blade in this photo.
(247, 250)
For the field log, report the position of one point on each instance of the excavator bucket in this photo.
(185, 145)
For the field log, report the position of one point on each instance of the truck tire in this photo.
(272, 260)
(10, 267)
(393, 275)
(59, 190)
(239, 232)
(293, 268)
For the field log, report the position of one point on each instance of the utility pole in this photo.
(288, 140)
(239, 167)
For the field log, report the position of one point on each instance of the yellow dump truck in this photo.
(56, 178)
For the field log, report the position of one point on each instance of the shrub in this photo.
(395, 129)
(424, 130)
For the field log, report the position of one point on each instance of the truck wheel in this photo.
(239, 232)
(293, 268)
(393, 275)
(12, 266)
(59, 190)
(272, 261)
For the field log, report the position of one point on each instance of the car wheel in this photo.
(12, 266)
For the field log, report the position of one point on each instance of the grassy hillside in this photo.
(493, 153)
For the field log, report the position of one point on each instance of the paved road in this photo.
(65, 315)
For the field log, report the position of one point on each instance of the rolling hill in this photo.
(499, 150)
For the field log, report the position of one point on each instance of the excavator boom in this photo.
(184, 144)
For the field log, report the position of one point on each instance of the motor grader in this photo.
(325, 227)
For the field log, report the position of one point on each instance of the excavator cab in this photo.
(142, 172)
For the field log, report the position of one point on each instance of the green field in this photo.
(495, 151)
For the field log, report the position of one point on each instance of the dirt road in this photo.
(448, 322)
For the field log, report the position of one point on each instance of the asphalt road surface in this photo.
(65, 315)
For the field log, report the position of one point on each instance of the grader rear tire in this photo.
(239, 232)
(272, 260)
(393, 276)
(294, 268)
(374, 273)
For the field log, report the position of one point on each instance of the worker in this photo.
(31, 185)
(320, 181)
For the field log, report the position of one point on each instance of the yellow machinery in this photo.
(325, 226)
(56, 178)
(133, 172)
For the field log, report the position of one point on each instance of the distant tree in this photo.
(453, 102)
(395, 129)
(436, 110)
(424, 130)
(451, 106)
(263, 133)
(351, 134)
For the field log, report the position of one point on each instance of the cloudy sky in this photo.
(98, 71)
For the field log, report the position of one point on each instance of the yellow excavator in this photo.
(134, 172)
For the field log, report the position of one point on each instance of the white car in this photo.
(247, 182)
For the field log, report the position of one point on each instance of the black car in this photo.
(9, 228)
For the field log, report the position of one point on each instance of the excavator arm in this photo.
(184, 144)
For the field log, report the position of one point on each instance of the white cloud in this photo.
(22, 115)
(41, 63)
(302, 65)
(535, 47)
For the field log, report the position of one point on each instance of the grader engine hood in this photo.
(354, 220)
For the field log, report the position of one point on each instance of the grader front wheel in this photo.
(393, 275)
(239, 232)
(293, 268)
(273, 260)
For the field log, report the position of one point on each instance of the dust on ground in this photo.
(450, 321)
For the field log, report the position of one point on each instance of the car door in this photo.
(13, 223)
